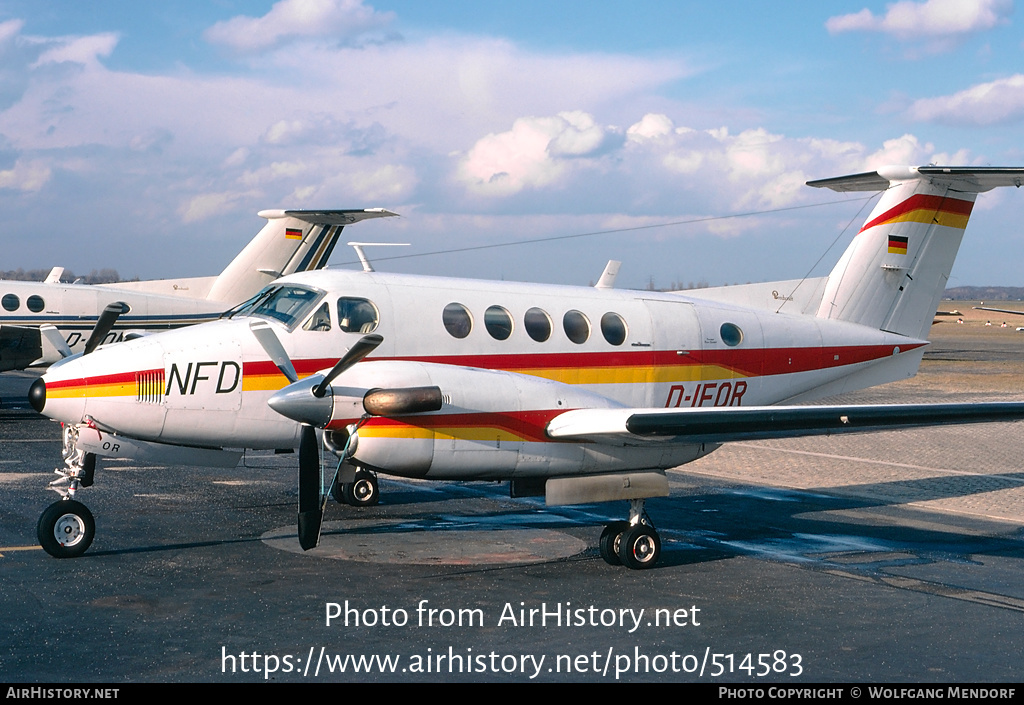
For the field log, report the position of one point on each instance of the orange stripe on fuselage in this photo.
(485, 426)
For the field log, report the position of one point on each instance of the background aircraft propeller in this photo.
(55, 339)
(104, 324)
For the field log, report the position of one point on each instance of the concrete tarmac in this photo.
(884, 557)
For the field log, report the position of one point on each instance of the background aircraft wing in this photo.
(724, 424)
(999, 310)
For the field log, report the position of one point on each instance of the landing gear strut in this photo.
(634, 543)
(66, 529)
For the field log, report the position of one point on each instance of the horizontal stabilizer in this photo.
(329, 217)
(721, 425)
(975, 179)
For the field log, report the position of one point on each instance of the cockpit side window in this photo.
(319, 321)
(357, 315)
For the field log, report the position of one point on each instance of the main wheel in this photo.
(640, 547)
(66, 529)
(609, 542)
(338, 493)
(363, 491)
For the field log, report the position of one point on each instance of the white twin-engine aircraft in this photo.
(43, 322)
(579, 394)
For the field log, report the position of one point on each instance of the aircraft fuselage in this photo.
(508, 358)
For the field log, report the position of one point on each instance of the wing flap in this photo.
(722, 425)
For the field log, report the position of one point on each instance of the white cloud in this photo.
(532, 154)
(999, 101)
(753, 169)
(901, 150)
(932, 18)
(25, 176)
(10, 29)
(294, 19)
(79, 50)
(208, 205)
(651, 126)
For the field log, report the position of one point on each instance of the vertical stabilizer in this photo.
(894, 272)
(291, 241)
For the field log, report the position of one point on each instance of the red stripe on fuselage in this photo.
(117, 378)
(749, 363)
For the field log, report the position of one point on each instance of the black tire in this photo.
(338, 493)
(363, 491)
(640, 547)
(66, 529)
(609, 542)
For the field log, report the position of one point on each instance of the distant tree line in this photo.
(96, 276)
(985, 293)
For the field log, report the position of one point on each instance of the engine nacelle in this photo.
(487, 422)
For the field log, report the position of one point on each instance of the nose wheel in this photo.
(66, 529)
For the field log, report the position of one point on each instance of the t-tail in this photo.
(291, 241)
(894, 273)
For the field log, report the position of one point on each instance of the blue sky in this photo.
(145, 136)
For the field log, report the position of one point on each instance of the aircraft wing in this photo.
(999, 310)
(20, 346)
(725, 424)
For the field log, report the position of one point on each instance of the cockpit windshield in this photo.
(286, 303)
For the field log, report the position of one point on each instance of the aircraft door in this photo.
(674, 351)
(732, 358)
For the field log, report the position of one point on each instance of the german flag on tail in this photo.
(897, 245)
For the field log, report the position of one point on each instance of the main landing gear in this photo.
(634, 543)
(361, 492)
(66, 529)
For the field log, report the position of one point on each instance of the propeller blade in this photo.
(311, 513)
(54, 338)
(366, 345)
(267, 339)
(104, 323)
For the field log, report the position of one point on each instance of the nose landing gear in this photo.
(66, 528)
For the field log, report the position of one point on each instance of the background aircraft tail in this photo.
(291, 241)
(894, 272)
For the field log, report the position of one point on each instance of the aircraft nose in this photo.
(37, 395)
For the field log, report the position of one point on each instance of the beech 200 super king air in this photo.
(579, 394)
(41, 322)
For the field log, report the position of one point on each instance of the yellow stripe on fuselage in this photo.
(121, 389)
